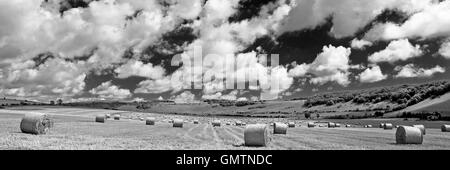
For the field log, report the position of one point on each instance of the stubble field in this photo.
(76, 129)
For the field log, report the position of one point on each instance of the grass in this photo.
(81, 132)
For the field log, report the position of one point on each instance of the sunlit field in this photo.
(75, 128)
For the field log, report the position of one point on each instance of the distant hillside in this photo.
(393, 98)
(390, 101)
(13, 102)
(440, 104)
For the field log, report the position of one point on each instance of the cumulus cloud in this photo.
(56, 77)
(106, 29)
(360, 44)
(445, 50)
(371, 75)
(138, 68)
(154, 86)
(221, 41)
(242, 99)
(398, 50)
(103, 31)
(410, 70)
(332, 65)
(138, 99)
(429, 22)
(299, 70)
(185, 97)
(109, 91)
(232, 96)
(348, 15)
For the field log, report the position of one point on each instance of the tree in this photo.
(307, 115)
(52, 102)
(379, 114)
(59, 101)
(318, 115)
(330, 103)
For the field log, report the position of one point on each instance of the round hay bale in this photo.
(331, 125)
(388, 126)
(108, 116)
(238, 123)
(100, 118)
(150, 121)
(421, 127)
(141, 119)
(280, 128)
(244, 124)
(36, 123)
(445, 128)
(347, 126)
(195, 121)
(256, 135)
(381, 125)
(216, 123)
(291, 125)
(311, 124)
(116, 117)
(170, 121)
(396, 126)
(408, 135)
(228, 123)
(337, 125)
(178, 123)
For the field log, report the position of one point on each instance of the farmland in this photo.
(75, 129)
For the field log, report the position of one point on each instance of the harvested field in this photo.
(76, 129)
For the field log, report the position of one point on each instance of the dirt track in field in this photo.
(75, 129)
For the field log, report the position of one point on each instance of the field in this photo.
(75, 129)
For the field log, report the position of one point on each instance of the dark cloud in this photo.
(248, 9)
(170, 44)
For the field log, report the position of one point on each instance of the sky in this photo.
(191, 50)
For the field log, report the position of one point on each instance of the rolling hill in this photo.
(439, 104)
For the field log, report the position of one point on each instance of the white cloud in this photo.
(242, 99)
(138, 68)
(110, 91)
(154, 86)
(187, 9)
(332, 65)
(411, 70)
(398, 50)
(254, 98)
(360, 44)
(221, 41)
(348, 15)
(280, 80)
(185, 97)
(445, 50)
(371, 75)
(299, 70)
(138, 99)
(56, 77)
(232, 96)
(29, 29)
(431, 21)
